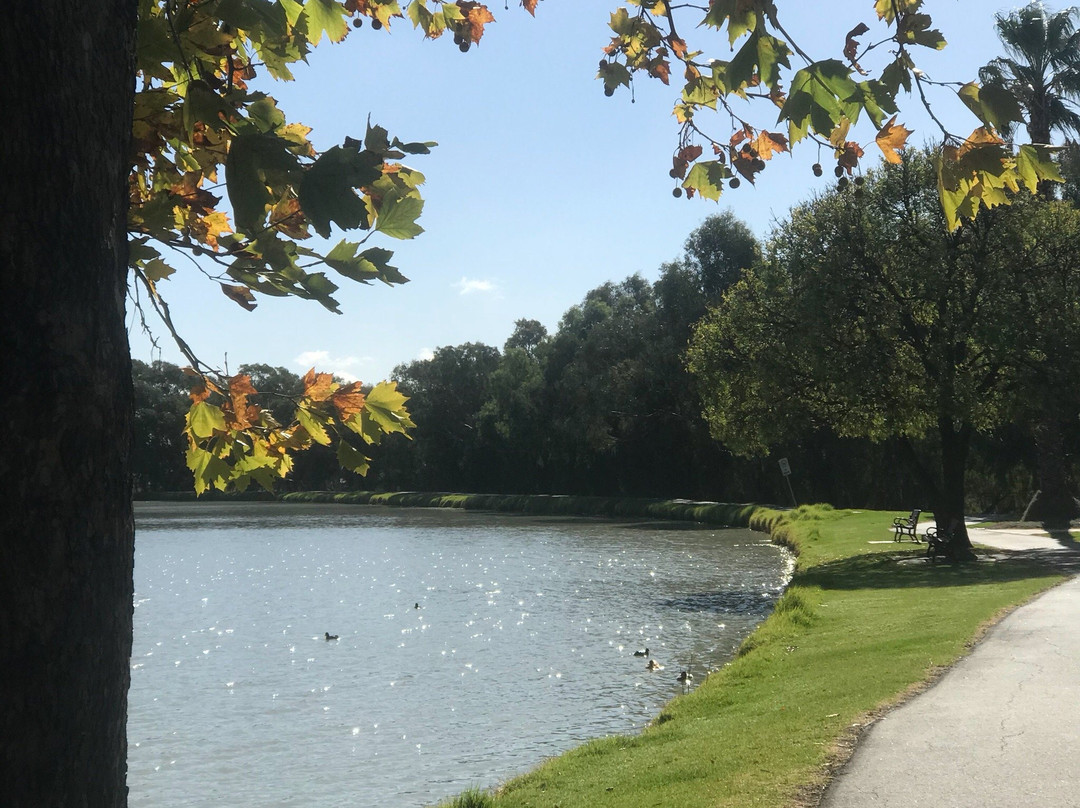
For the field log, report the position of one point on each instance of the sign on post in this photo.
(785, 469)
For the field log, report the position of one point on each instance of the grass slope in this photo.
(859, 627)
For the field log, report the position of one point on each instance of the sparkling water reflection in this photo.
(470, 645)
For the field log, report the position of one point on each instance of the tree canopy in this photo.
(869, 317)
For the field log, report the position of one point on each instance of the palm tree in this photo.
(1042, 71)
(1041, 68)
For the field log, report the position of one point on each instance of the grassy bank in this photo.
(713, 513)
(860, 626)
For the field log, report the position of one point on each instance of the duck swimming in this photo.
(653, 665)
(685, 677)
(330, 636)
(642, 653)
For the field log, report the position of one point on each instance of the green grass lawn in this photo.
(859, 627)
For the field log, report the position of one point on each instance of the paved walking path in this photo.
(1001, 729)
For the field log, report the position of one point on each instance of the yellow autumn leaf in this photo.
(838, 137)
(891, 138)
(768, 143)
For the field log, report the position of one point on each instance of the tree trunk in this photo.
(949, 509)
(65, 577)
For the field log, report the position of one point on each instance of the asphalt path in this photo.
(1001, 729)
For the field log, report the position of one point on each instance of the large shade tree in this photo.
(870, 318)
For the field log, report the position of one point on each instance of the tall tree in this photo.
(65, 583)
(870, 318)
(448, 392)
(1042, 71)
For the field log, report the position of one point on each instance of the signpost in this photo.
(785, 469)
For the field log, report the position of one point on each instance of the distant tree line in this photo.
(606, 405)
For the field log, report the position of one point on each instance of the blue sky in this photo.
(541, 188)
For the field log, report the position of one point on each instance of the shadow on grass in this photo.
(908, 570)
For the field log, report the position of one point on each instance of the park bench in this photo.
(941, 543)
(905, 526)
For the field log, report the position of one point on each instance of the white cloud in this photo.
(346, 367)
(467, 286)
(425, 355)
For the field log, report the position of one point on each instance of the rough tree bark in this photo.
(66, 528)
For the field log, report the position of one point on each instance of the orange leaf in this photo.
(660, 69)
(318, 386)
(348, 400)
(891, 138)
(240, 416)
(242, 384)
(690, 153)
(849, 157)
(678, 47)
(476, 17)
(289, 219)
(530, 6)
(769, 142)
(980, 137)
(199, 392)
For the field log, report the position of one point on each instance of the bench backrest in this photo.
(915, 515)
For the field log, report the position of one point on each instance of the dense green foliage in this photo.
(604, 406)
(871, 319)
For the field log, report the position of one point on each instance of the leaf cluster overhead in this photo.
(219, 173)
(814, 98)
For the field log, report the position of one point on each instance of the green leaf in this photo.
(740, 71)
(322, 289)
(1000, 107)
(254, 162)
(385, 407)
(1034, 164)
(203, 105)
(157, 270)
(264, 113)
(874, 97)
(707, 179)
(376, 139)
(324, 16)
(420, 15)
(327, 189)
(739, 17)
(398, 214)
(349, 458)
(293, 10)
(205, 419)
(312, 425)
(770, 53)
(207, 469)
(139, 250)
(414, 148)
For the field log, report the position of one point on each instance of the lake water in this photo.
(522, 645)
